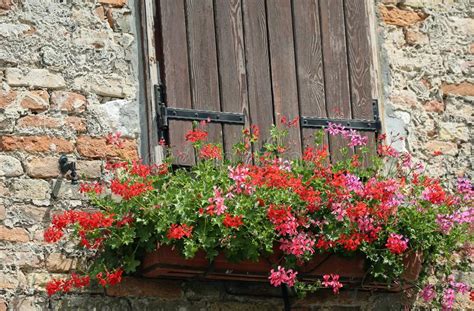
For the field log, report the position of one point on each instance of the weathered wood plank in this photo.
(359, 58)
(176, 74)
(232, 73)
(357, 29)
(203, 60)
(283, 67)
(336, 73)
(258, 66)
(309, 62)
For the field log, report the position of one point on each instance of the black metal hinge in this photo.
(164, 114)
(354, 124)
(168, 113)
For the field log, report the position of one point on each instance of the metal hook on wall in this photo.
(64, 167)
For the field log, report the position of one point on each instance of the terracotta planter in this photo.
(168, 262)
(413, 264)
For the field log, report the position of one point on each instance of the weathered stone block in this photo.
(36, 101)
(6, 124)
(69, 191)
(13, 235)
(20, 258)
(57, 262)
(76, 123)
(38, 280)
(5, 5)
(139, 287)
(44, 167)
(2, 212)
(13, 30)
(116, 3)
(404, 99)
(398, 17)
(34, 78)
(8, 280)
(89, 169)
(110, 86)
(413, 37)
(461, 89)
(7, 98)
(454, 131)
(93, 147)
(27, 303)
(444, 147)
(35, 144)
(31, 189)
(3, 305)
(26, 215)
(39, 121)
(434, 106)
(68, 101)
(121, 116)
(10, 166)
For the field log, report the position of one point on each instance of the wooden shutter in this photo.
(265, 59)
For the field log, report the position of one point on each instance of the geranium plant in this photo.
(260, 202)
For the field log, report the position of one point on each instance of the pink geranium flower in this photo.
(282, 276)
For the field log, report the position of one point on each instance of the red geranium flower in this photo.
(179, 231)
(196, 135)
(210, 151)
(232, 221)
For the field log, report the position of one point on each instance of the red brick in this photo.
(96, 148)
(91, 147)
(462, 89)
(115, 3)
(39, 121)
(434, 106)
(399, 17)
(44, 167)
(140, 287)
(13, 235)
(35, 144)
(76, 123)
(36, 101)
(5, 5)
(6, 98)
(68, 101)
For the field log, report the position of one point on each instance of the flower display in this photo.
(255, 203)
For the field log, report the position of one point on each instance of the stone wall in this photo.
(427, 66)
(68, 79)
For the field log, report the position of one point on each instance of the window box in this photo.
(167, 262)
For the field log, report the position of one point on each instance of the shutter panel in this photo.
(263, 60)
(358, 47)
(173, 44)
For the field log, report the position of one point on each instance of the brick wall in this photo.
(67, 81)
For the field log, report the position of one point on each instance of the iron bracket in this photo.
(66, 166)
(355, 124)
(164, 114)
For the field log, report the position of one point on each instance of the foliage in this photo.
(259, 203)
